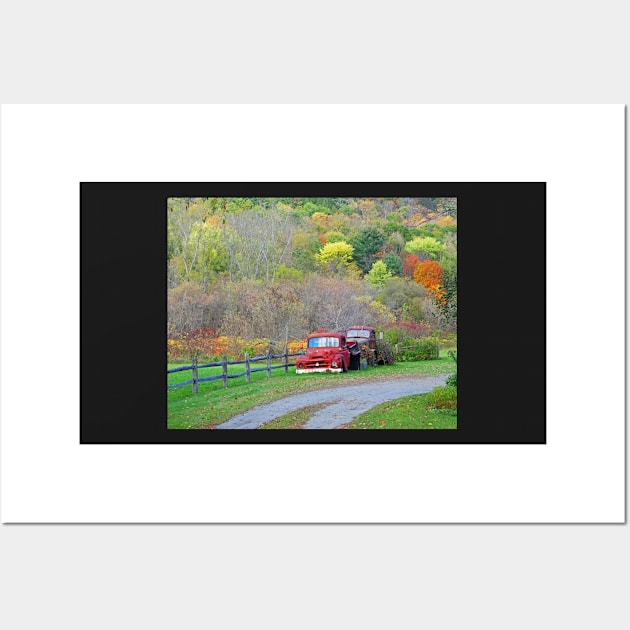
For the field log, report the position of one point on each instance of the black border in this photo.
(501, 328)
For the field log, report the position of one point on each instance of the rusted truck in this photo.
(373, 351)
(354, 349)
(328, 352)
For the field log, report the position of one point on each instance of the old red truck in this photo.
(328, 352)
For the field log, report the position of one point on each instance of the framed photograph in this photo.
(313, 312)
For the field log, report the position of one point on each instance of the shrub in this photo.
(288, 273)
(193, 343)
(394, 336)
(452, 380)
(443, 398)
(419, 350)
(410, 329)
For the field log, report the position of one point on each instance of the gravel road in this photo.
(345, 403)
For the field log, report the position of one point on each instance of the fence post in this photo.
(195, 377)
(286, 360)
(396, 348)
(225, 378)
(268, 363)
(247, 372)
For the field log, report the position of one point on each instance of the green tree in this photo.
(378, 274)
(427, 245)
(449, 308)
(394, 264)
(334, 237)
(366, 245)
(306, 245)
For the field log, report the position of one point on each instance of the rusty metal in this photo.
(375, 351)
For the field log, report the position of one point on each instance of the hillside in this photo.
(248, 272)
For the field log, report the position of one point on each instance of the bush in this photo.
(418, 350)
(400, 331)
(443, 398)
(452, 380)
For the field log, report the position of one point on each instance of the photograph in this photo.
(312, 313)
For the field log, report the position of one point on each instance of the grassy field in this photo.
(411, 412)
(215, 404)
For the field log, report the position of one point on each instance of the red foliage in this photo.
(430, 275)
(409, 264)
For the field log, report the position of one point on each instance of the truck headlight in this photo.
(334, 363)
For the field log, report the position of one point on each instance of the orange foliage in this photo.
(214, 221)
(430, 275)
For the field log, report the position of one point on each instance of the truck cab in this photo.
(365, 338)
(325, 352)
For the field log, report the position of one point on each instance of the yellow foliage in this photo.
(416, 220)
(321, 219)
(295, 346)
(447, 222)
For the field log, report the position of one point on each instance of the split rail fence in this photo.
(224, 376)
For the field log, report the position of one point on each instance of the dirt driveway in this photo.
(343, 403)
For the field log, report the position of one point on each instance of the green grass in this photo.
(215, 404)
(410, 412)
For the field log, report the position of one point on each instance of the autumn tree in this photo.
(425, 247)
(335, 257)
(409, 265)
(430, 275)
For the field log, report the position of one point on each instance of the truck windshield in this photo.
(323, 342)
(359, 333)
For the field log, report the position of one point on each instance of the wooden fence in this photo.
(224, 376)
